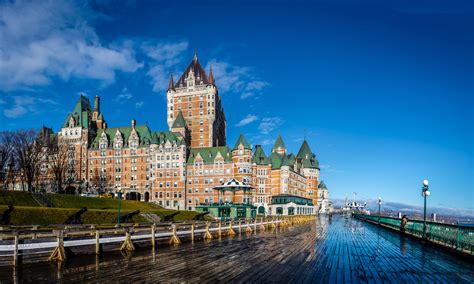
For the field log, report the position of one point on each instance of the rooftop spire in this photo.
(171, 83)
(211, 76)
(195, 58)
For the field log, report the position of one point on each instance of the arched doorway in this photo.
(279, 210)
(291, 210)
(261, 210)
(133, 195)
(147, 196)
(70, 190)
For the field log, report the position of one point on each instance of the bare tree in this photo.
(28, 153)
(6, 156)
(58, 162)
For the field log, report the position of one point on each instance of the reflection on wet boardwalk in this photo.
(337, 250)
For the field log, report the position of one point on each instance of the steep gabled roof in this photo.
(279, 143)
(199, 73)
(179, 121)
(167, 136)
(242, 141)
(259, 156)
(275, 160)
(208, 154)
(80, 113)
(322, 185)
(307, 157)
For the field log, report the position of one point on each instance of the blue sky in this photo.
(383, 90)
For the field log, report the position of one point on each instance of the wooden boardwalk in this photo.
(326, 251)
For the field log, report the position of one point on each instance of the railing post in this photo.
(174, 239)
(240, 227)
(192, 232)
(97, 242)
(127, 244)
(59, 254)
(231, 230)
(15, 250)
(207, 234)
(153, 229)
(219, 232)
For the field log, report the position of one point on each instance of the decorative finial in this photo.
(211, 76)
(171, 82)
(195, 58)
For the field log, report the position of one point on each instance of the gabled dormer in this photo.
(279, 146)
(118, 140)
(133, 140)
(104, 141)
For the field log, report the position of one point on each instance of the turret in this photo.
(279, 146)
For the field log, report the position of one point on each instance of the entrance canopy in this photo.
(233, 185)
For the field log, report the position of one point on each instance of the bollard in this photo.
(153, 228)
(174, 238)
(262, 226)
(97, 242)
(59, 254)
(207, 234)
(249, 228)
(230, 232)
(127, 244)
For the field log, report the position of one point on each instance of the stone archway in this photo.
(261, 210)
(147, 196)
(279, 211)
(133, 195)
(70, 190)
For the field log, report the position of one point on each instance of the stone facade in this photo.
(179, 168)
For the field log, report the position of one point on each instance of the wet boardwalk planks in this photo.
(335, 251)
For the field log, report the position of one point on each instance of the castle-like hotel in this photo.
(180, 168)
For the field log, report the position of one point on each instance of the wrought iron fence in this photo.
(458, 237)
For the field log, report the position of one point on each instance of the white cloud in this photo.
(249, 118)
(42, 40)
(123, 96)
(25, 104)
(236, 79)
(139, 104)
(268, 124)
(165, 57)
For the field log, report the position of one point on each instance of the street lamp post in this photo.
(119, 194)
(425, 193)
(380, 202)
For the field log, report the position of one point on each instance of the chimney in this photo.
(97, 103)
(134, 122)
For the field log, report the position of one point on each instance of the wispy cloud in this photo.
(124, 95)
(249, 118)
(269, 124)
(164, 58)
(236, 79)
(329, 169)
(139, 104)
(42, 40)
(25, 104)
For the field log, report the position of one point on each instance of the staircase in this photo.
(151, 217)
(42, 200)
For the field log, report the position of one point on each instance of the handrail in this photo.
(460, 237)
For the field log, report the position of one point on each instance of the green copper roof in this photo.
(100, 117)
(308, 159)
(209, 154)
(285, 161)
(143, 132)
(179, 121)
(80, 113)
(259, 156)
(242, 141)
(163, 137)
(279, 143)
(275, 160)
(322, 185)
(291, 158)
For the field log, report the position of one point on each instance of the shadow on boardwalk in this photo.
(337, 250)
